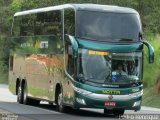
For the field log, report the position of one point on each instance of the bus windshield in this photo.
(108, 27)
(110, 68)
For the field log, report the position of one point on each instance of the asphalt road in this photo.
(10, 109)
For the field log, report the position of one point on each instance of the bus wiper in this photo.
(125, 39)
(92, 80)
(83, 79)
(135, 83)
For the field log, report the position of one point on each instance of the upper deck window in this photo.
(44, 23)
(69, 21)
(108, 26)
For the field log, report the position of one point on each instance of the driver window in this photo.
(69, 60)
(120, 68)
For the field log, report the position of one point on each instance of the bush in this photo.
(151, 71)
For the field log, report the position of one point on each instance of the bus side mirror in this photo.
(150, 52)
(74, 44)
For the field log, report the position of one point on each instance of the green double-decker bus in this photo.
(79, 55)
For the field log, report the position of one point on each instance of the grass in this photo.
(4, 78)
(151, 98)
(151, 73)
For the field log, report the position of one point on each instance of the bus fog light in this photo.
(81, 101)
(137, 103)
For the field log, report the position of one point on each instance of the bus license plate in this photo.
(110, 103)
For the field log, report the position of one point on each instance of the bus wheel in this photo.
(24, 93)
(19, 95)
(60, 106)
(118, 112)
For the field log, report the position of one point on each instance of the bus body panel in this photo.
(44, 58)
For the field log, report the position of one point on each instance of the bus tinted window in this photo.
(45, 23)
(112, 27)
(69, 22)
(23, 25)
(48, 23)
(27, 25)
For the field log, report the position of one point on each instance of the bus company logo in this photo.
(110, 97)
(111, 92)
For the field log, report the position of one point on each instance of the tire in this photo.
(59, 99)
(19, 95)
(118, 112)
(24, 93)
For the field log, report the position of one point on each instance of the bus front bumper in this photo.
(93, 100)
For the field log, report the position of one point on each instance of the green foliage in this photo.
(1, 2)
(151, 71)
(16, 5)
(150, 98)
(3, 59)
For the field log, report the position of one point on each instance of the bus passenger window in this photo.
(48, 23)
(27, 25)
(69, 22)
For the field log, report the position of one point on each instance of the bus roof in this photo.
(89, 7)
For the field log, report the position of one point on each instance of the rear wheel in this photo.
(19, 95)
(26, 100)
(22, 97)
(24, 93)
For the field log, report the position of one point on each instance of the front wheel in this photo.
(60, 106)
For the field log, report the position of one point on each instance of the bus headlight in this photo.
(79, 90)
(137, 94)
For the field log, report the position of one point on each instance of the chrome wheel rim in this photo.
(60, 99)
(19, 93)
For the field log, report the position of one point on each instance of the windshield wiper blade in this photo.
(125, 39)
(91, 80)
